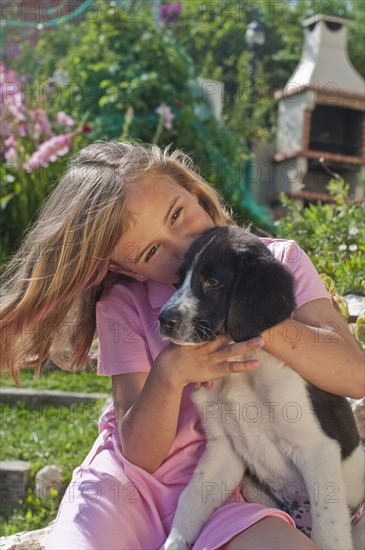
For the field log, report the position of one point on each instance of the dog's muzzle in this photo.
(169, 321)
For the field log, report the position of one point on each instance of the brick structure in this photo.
(321, 114)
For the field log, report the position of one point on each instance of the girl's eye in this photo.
(151, 253)
(175, 215)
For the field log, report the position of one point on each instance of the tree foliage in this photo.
(222, 26)
(119, 70)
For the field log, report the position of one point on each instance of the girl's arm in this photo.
(147, 405)
(318, 345)
(147, 409)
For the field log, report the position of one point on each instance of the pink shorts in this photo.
(129, 509)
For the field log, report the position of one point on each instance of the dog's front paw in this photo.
(176, 542)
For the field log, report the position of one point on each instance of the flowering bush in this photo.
(169, 13)
(29, 143)
(333, 235)
(137, 83)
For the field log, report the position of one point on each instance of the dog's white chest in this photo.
(260, 413)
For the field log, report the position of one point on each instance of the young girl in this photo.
(104, 255)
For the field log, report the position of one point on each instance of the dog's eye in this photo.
(211, 284)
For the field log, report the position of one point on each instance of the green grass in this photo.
(57, 379)
(42, 436)
(48, 435)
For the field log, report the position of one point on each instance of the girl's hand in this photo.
(208, 384)
(203, 363)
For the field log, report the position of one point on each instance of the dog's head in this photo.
(229, 283)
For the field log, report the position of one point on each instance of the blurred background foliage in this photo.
(332, 234)
(132, 74)
(222, 26)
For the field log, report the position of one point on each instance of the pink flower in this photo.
(64, 120)
(170, 12)
(22, 130)
(11, 154)
(165, 112)
(12, 101)
(49, 151)
(10, 142)
(42, 127)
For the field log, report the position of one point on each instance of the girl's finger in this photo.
(222, 342)
(239, 348)
(248, 345)
(242, 366)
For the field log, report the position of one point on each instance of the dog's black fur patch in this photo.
(336, 418)
(258, 290)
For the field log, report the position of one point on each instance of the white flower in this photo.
(353, 247)
(342, 247)
(353, 231)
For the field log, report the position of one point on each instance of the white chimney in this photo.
(321, 112)
(324, 59)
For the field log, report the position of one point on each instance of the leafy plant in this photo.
(124, 69)
(360, 333)
(333, 235)
(222, 25)
(340, 304)
(33, 148)
(42, 435)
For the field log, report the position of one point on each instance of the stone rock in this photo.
(26, 540)
(14, 475)
(47, 478)
(39, 398)
(356, 304)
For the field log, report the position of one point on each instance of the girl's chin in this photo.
(168, 280)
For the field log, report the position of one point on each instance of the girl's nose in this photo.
(182, 248)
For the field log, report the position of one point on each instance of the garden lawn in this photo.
(48, 435)
(45, 435)
(55, 379)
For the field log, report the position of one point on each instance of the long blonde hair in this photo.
(51, 285)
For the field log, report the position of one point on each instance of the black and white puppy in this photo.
(231, 283)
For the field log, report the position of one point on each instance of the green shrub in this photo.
(340, 304)
(33, 148)
(333, 235)
(120, 68)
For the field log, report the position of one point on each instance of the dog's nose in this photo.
(168, 320)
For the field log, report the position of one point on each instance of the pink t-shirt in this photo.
(127, 314)
(115, 503)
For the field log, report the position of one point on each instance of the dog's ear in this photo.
(262, 296)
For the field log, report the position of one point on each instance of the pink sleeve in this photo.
(308, 284)
(123, 347)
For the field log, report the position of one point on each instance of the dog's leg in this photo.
(322, 471)
(217, 474)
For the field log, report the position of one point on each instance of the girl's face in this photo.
(166, 219)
